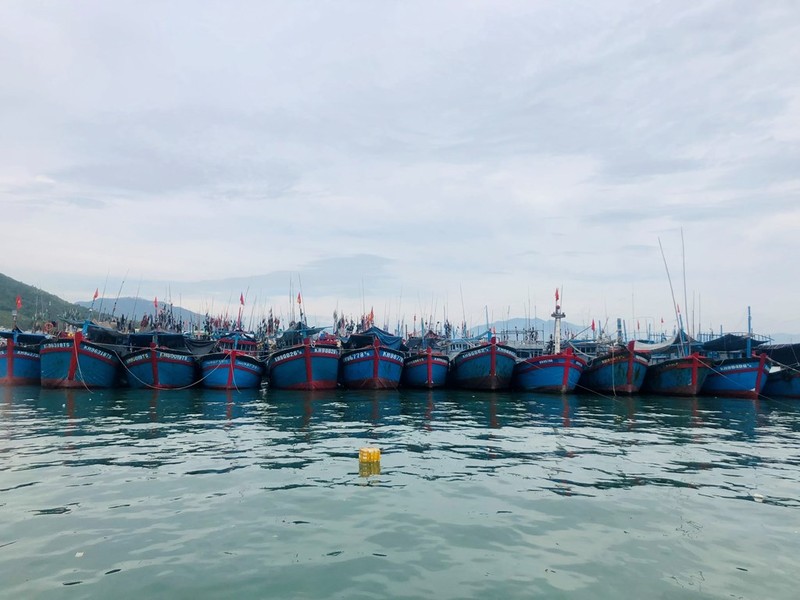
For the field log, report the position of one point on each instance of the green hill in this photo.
(37, 305)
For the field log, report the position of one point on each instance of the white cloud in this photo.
(488, 147)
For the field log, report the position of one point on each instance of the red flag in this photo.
(241, 299)
(299, 299)
(155, 302)
(96, 293)
(556, 294)
(19, 302)
(592, 324)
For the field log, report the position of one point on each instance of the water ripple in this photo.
(495, 495)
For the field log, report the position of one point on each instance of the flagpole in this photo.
(18, 304)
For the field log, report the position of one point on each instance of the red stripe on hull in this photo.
(312, 386)
(373, 383)
(19, 381)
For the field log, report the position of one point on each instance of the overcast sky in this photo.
(403, 154)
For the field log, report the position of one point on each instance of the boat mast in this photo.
(749, 348)
(685, 298)
(557, 315)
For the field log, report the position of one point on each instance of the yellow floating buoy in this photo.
(369, 455)
(369, 462)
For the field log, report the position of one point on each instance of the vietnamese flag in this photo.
(19, 302)
(155, 302)
(96, 293)
(556, 294)
(299, 300)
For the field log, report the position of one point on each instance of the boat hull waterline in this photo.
(304, 367)
(230, 370)
(486, 367)
(160, 368)
(558, 373)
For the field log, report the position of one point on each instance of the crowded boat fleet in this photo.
(158, 355)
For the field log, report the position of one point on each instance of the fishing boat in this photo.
(742, 377)
(19, 357)
(304, 360)
(783, 379)
(159, 360)
(426, 364)
(86, 358)
(676, 366)
(488, 365)
(613, 368)
(372, 359)
(234, 364)
(735, 371)
(553, 371)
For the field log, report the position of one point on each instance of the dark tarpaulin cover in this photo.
(98, 333)
(104, 335)
(785, 354)
(365, 338)
(295, 335)
(166, 339)
(199, 347)
(431, 340)
(730, 342)
(26, 339)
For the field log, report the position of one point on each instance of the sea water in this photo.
(259, 494)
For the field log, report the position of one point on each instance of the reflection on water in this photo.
(477, 494)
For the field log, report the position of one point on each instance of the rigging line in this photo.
(672, 291)
(685, 298)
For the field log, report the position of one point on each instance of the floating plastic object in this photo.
(369, 455)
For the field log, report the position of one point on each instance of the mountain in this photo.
(136, 308)
(512, 326)
(37, 305)
(784, 338)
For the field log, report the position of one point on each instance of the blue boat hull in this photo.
(784, 383)
(19, 365)
(486, 367)
(75, 363)
(557, 373)
(684, 376)
(304, 367)
(738, 377)
(160, 368)
(621, 372)
(230, 370)
(425, 370)
(371, 367)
